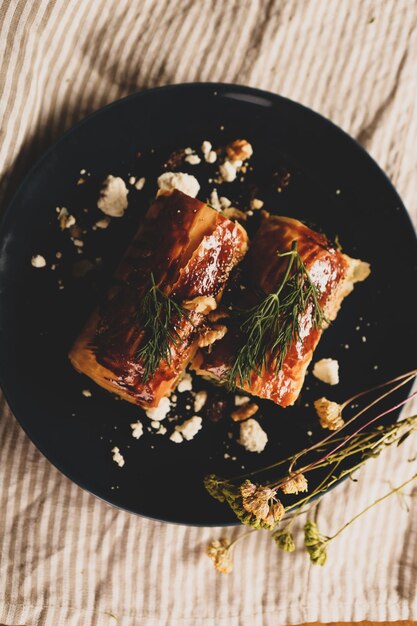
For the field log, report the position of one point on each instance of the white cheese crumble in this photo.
(65, 219)
(162, 430)
(200, 400)
(190, 427)
(206, 147)
(240, 400)
(178, 180)
(117, 457)
(252, 436)
(228, 171)
(86, 393)
(211, 157)
(192, 159)
(159, 412)
(104, 223)
(214, 201)
(176, 437)
(256, 204)
(38, 261)
(155, 424)
(140, 183)
(137, 429)
(225, 203)
(113, 196)
(132, 180)
(327, 370)
(185, 384)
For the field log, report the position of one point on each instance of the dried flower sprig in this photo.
(315, 542)
(332, 452)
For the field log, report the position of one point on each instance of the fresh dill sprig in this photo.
(158, 314)
(271, 326)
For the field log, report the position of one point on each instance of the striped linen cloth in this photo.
(68, 558)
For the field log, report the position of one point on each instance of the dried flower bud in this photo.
(284, 540)
(256, 500)
(315, 543)
(295, 485)
(220, 553)
(275, 514)
(330, 413)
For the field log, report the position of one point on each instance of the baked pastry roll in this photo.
(189, 250)
(332, 273)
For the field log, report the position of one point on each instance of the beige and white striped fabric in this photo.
(70, 559)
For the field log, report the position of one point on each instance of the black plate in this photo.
(333, 185)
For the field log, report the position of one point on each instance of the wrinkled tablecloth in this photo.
(68, 558)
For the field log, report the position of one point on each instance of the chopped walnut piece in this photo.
(200, 304)
(239, 150)
(211, 335)
(219, 314)
(244, 411)
(232, 213)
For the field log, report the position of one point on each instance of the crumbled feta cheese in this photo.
(214, 201)
(86, 393)
(104, 223)
(228, 171)
(140, 183)
(59, 255)
(78, 243)
(155, 424)
(190, 427)
(65, 219)
(188, 151)
(176, 437)
(364, 339)
(240, 400)
(132, 180)
(252, 436)
(256, 204)
(225, 203)
(38, 261)
(211, 157)
(200, 400)
(178, 180)
(113, 196)
(327, 370)
(159, 412)
(162, 430)
(206, 147)
(185, 384)
(137, 429)
(117, 457)
(193, 159)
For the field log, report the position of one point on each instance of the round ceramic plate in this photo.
(303, 166)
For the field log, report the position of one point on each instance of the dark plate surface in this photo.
(334, 185)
